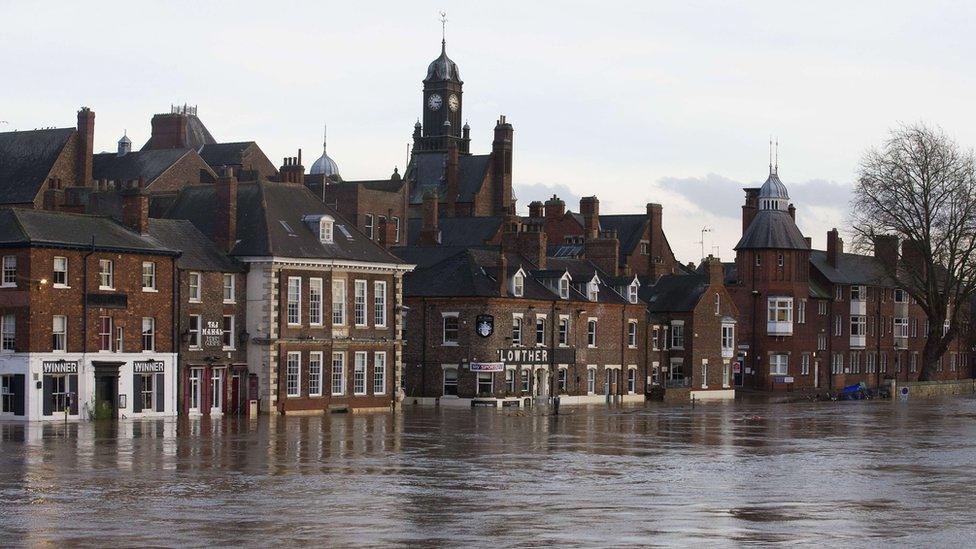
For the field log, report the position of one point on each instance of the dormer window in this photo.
(632, 292)
(326, 229)
(593, 290)
(564, 288)
(518, 285)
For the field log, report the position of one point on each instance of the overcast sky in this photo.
(669, 102)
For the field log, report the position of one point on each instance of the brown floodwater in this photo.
(853, 473)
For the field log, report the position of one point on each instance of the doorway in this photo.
(106, 390)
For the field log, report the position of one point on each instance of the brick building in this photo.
(323, 300)
(86, 316)
(812, 319)
(211, 299)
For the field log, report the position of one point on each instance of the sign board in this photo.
(736, 367)
(743, 346)
(60, 367)
(484, 325)
(148, 367)
(487, 366)
(108, 301)
(212, 334)
(788, 380)
(903, 393)
(537, 355)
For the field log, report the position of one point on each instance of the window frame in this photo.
(232, 287)
(359, 309)
(293, 374)
(149, 278)
(194, 291)
(106, 273)
(379, 304)
(55, 271)
(454, 330)
(59, 338)
(151, 334)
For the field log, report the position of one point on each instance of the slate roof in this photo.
(851, 269)
(772, 229)
(197, 135)
(26, 159)
(270, 222)
(629, 227)
(224, 154)
(21, 227)
(674, 293)
(425, 256)
(427, 171)
(130, 167)
(458, 231)
(199, 252)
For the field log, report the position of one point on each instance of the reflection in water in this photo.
(717, 474)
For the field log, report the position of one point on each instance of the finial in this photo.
(325, 134)
(776, 165)
(770, 155)
(443, 32)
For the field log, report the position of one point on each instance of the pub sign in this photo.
(485, 325)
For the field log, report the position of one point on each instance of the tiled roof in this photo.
(674, 293)
(26, 159)
(427, 171)
(148, 165)
(629, 227)
(199, 252)
(224, 154)
(271, 222)
(20, 227)
(458, 231)
(851, 269)
(772, 229)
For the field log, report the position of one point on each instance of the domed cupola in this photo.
(325, 165)
(443, 69)
(773, 194)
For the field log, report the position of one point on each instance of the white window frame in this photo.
(632, 293)
(337, 377)
(196, 289)
(591, 380)
(591, 332)
(57, 271)
(293, 299)
(540, 329)
(677, 334)
(339, 302)
(779, 364)
(231, 288)
(315, 359)
(379, 373)
(564, 288)
(563, 338)
(149, 276)
(379, 304)
(518, 285)
(360, 314)
(8, 332)
(368, 226)
(59, 333)
(293, 374)
(195, 340)
(359, 372)
(227, 336)
(801, 311)
(315, 299)
(326, 230)
(9, 272)
(396, 229)
(631, 333)
(106, 273)
(728, 339)
(517, 338)
(150, 322)
(456, 329)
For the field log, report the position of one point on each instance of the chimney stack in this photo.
(656, 239)
(716, 272)
(835, 247)
(886, 250)
(590, 210)
(225, 193)
(750, 208)
(429, 233)
(451, 177)
(502, 266)
(291, 170)
(135, 209)
(555, 208)
(535, 209)
(387, 230)
(792, 212)
(86, 144)
(169, 131)
(501, 167)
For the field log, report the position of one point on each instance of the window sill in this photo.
(192, 348)
(632, 346)
(106, 288)
(316, 395)
(449, 344)
(148, 352)
(338, 394)
(61, 287)
(228, 348)
(8, 285)
(591, 346)
(362, 325)
(230, 302)
(151, 290)
(193, 301)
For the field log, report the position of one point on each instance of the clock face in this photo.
(434, 102)
(453, 102)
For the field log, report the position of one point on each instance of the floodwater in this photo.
(852, 474)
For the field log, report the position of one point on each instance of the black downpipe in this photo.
(423, 351)
(84, 297)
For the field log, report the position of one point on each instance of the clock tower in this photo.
(442, 108)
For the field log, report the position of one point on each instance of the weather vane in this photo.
(443, 26)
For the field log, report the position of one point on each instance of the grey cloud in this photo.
(540, 191)
(722, 197)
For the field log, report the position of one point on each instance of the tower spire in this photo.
(776, 165)
(325, 134)
(770, 155)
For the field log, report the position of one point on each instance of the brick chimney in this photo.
(86, 143)
(835, 247)
(792, 212)
(502, 266)
(387, 231)
(536, 209)
(135, 209)
(169, 131)
(750, 208)
(291, 170)
(886, 250)
(501, 167)
(429, 233)
(555, 208)
(225, 202)
(54, 195)
(451, 170)
(590, 210)
(913, 254)
(604, 251)
(532, 242)
(655, 245)
(716, 272)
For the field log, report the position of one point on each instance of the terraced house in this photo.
(323, 300)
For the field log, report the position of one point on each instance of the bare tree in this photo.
(920, 187)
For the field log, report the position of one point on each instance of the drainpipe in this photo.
(623, 346)
(553, 367)
(877, 324)
(84, 325)
(423, 355)
(175, 340)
